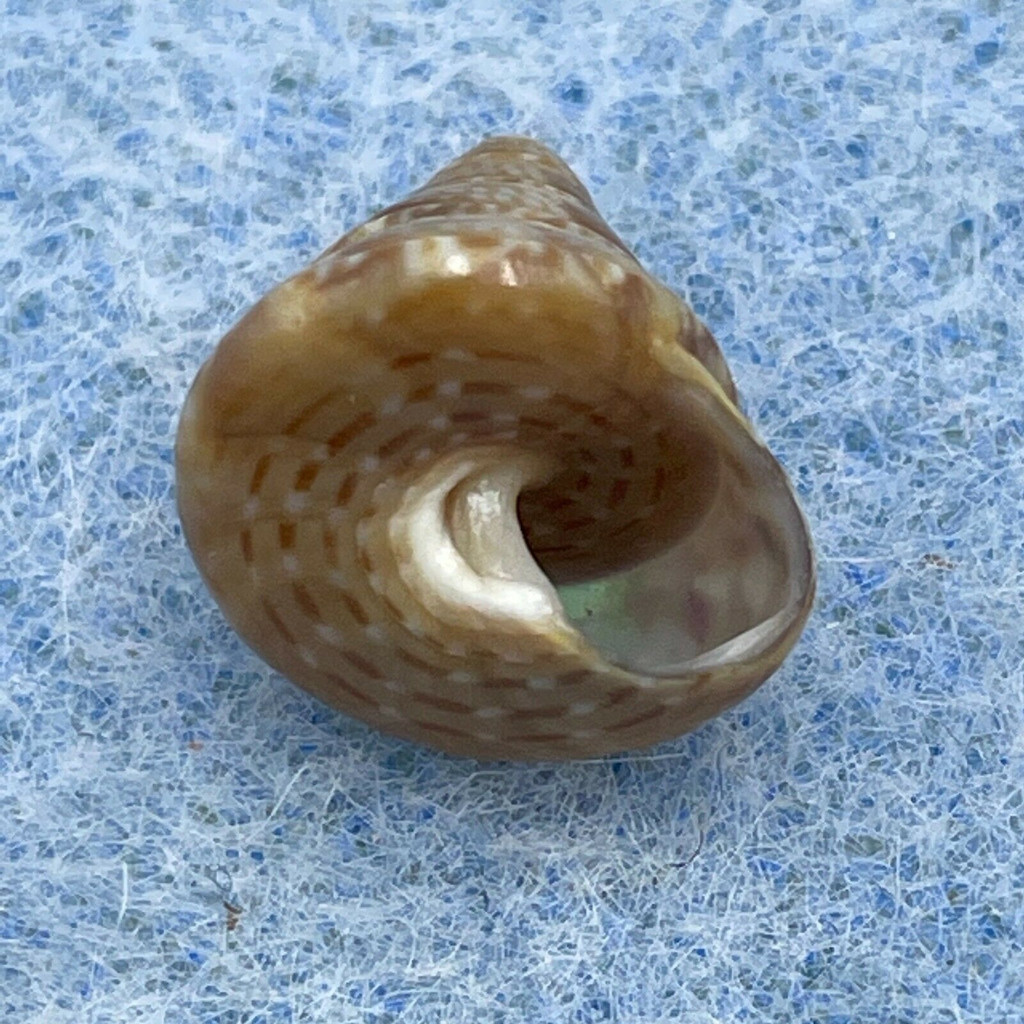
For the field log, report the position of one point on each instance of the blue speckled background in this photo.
(837, 186)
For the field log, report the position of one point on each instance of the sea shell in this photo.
(478, 479)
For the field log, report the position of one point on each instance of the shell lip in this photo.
(440, 534)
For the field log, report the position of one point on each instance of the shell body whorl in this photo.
(478, 479)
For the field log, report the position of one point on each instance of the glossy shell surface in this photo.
(477, 478)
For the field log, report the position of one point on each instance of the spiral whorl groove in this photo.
(392, 461)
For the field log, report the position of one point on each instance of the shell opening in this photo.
(728, 591)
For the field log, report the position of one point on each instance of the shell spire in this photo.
(478, 479)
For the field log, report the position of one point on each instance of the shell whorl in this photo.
(478, 479)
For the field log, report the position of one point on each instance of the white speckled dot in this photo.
(440, 423)
(581, 707)
(372, 227)
(540, 683)
(374, 632)
(490, 712)
(291, 564)
(295, 502)
(369, 463)
(507, 274)
(391, 405)
(459, 355)
(454, 258)
(515, 657)
(382, 490)
(308, 656)
(611, 274)
(536, 392)
(450, 388)
(423, 454)
(390, 711)
(328, 634)
(461, 678)
(251, 507)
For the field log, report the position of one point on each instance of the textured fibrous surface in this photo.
(835, 188)
(392, 459)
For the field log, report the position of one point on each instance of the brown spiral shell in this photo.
(476, 478)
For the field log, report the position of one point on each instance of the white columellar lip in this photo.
(433, 566)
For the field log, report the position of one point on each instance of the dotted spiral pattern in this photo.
(492, 311)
